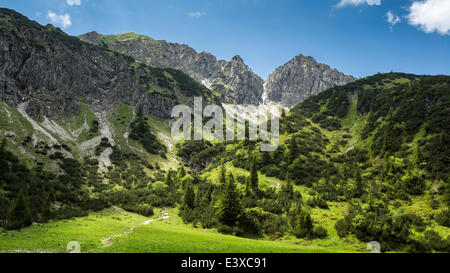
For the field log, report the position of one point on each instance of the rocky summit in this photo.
(301, 78)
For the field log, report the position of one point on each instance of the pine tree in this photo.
(359, 185)
(181, 173)
(46, 210)
(447, 193)
(169, 181)
(222, 177)
(283, 114)
(248, 187)
(19, 215)
(52, 194)
(266, 159)
(189, 197)
(229, 207)
(293, 150)
(301, 222)
(287, 189)
(254, 180)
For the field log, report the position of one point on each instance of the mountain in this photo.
(58, 91)
(50, 71)
(301, 78)
(289, 85)
(84, 128)
(233, 80)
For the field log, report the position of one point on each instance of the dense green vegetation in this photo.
(395, 150)
(363, 162)
(140, 131)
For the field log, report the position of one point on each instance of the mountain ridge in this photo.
(233, 79)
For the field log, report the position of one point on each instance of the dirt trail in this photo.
(107, 242)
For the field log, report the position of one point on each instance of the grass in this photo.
(77, 122)
(54, 236)
(161, 236)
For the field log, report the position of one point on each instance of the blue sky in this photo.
(358, 37)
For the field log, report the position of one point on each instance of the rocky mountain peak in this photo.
(301, 78)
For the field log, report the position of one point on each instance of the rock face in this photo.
(233, 80)
(51, 72)
(301, 78)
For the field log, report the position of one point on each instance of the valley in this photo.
(87, 156)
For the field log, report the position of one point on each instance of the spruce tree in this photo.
(169, 181)
(359, 185)
(287, 189)
(229, 207)
(301, 222)
(248, 186)
(447, 193)
(46, 210)
(222, 177)
(283, 114)
(181, 173)
(19, 215)
(293, 151)
(254, 180)
(189, 197)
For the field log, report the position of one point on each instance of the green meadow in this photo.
(159, 236)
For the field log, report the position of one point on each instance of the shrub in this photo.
(145, 210)
(320, 232)
(443, 218)
(434, 203)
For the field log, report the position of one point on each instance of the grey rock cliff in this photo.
(233, 80)
(301, 78)
(52, 71)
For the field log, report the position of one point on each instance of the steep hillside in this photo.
(367, 159)
(73, 114)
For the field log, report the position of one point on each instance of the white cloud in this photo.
(344, 3)
(392, 18)
(196, 14)
(73, 2)
(431, 16)
(62, 20)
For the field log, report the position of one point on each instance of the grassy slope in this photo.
(170, 236)
(54, 236)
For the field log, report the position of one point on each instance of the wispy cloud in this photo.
(344, 3)
(392, 18)
(196, 14)
(62, 20)
(73, 2)
(430, 16)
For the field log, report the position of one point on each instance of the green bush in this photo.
(443, 218)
